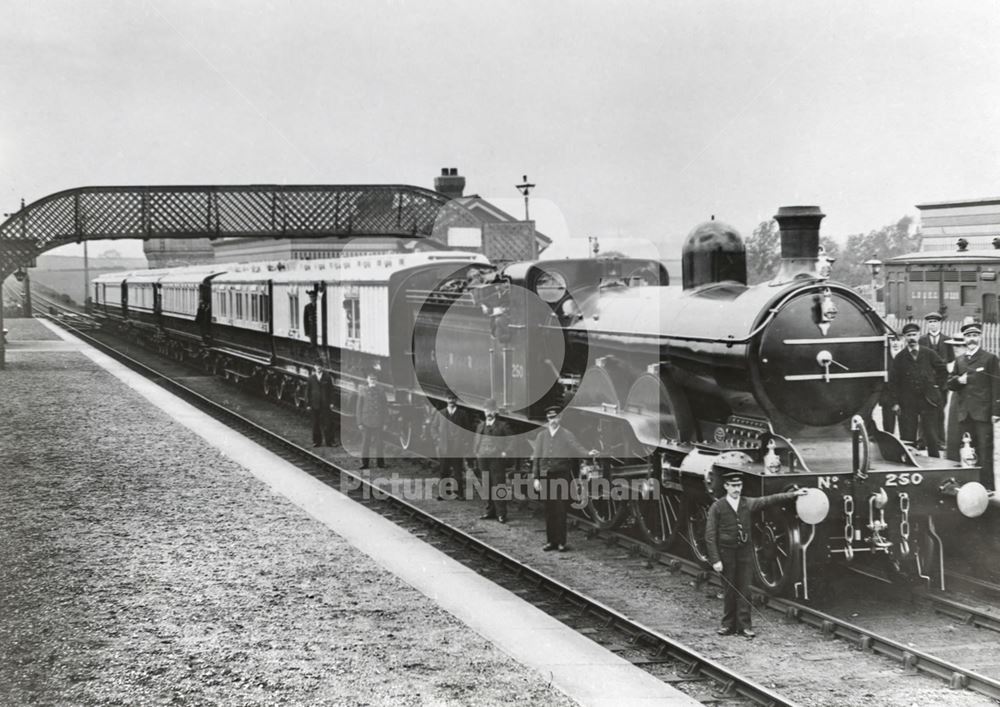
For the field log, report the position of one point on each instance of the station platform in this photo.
(152, 554)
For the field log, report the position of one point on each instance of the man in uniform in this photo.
(917, 381)
(372, 414)
(490, 449)
(451, 431)
(554, 455)
(938, 343)
(727, 535)
(318, 392)
(976, 382)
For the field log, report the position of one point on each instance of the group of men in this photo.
(923, 371)
(555, 452)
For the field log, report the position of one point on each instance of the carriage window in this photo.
(293, 311)
(968, 295)
(352, 309)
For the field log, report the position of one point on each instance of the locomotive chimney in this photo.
(799, 227)
(450, 183)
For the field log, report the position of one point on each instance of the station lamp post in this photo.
(525, 188)
(875, 265)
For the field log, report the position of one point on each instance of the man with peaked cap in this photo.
(727, 537)
(453, 442)
(916, 385)
(371, 414)
(935, 340)
(491, 449)
(976, 382)
(554, 456)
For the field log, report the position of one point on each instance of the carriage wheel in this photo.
(777, 550)
(268, 386)
(300, 396)
(659, 518)
(405, 425)
(283, 387)
(697, 519)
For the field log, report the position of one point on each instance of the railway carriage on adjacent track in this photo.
(675, 383)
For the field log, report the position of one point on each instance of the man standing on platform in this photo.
(727, 536)
(976, 381)
(554, 456)
(917, 383)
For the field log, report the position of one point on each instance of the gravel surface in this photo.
(791, 658)
(163, 573)
(27, 330)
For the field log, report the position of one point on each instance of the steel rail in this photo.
(663, 647)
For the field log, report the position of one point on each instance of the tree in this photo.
(763, 252)
(887, 242)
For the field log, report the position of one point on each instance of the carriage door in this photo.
(989, 308)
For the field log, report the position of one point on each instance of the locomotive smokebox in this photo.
(799, 227)
(713, 252)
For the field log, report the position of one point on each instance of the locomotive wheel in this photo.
(603, 507)
(659, 519)
(697, 519)
(777, 550)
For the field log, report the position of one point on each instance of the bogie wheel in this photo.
(697, 519)
(777, 550)
(407, 427)
(268, 386)
(605, 505)
(301, 396)
(660, 517)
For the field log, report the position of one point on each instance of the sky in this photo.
(635, 119)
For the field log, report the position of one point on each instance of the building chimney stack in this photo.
(450, 183)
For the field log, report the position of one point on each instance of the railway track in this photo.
(643, 646)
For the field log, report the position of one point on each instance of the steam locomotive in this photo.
(676, 384)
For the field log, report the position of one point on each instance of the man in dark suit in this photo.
(976, 382)
(938, 343)
(491, 447)
(917, 382)
(727, 538)
(554, 456)
(453, 437)
(319, 391)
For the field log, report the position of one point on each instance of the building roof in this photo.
(989, 201)
(946, 256)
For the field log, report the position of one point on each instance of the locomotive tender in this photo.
(676, 384)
